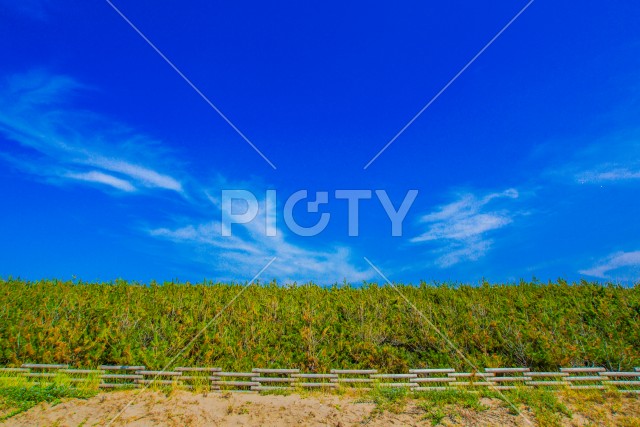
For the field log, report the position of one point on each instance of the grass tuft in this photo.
(15, 399)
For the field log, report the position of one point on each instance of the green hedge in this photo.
(543, 326)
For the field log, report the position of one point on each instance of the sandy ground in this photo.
(246, 409)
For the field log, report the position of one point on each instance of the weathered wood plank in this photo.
(236, 374)
(121, 377)
(508, 379)
(314, 376)
(354, 371)
(201, 378)
(620, 374)
(160, 373)
(317, 384)
(433, 380)
(397, 385)
(506, 370)
(432, 371)
(43, 366)
(273, 380)
(471, 374)
(121, 368)
(586, 378)
(268, 388)
(431, 388)
(81, 371)
(399, 376)
(587, 387)
(583, 370)
(197, 369)
(548, 374)
(160, 382)
(547, 383)
(351, 380)
(473, 384)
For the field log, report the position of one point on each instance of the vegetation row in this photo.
(543, 326)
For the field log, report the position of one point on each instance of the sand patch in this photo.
(181, 408)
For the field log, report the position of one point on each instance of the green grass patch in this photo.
(452, 397)
(547, 409)
(439, 404)
(17, 398)
(391, 399)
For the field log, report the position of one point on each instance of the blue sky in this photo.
(528, 164)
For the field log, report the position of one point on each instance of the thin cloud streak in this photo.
(34, 114)
(103, 178)
(462, 227)
(249, 245)
(629, 262)
(145, 176)
(68, 145)
(614, 159)
(613, 175)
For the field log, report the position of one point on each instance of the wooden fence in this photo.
(432, 379)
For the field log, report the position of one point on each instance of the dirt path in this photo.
(245, 409)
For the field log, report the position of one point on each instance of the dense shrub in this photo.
(314, 328)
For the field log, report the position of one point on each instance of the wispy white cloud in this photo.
(145, 176)
(237, 256)
(459, 251)
(65, 144)
(72, 143)
(249, 246)
(611, 160)
(462, 227)
(610, 174)
(102, 178)
(620, 265)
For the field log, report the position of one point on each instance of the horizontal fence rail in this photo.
(268, 379)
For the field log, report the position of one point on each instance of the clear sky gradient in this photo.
(527, 165)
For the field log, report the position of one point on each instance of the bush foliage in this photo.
(543, 326)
